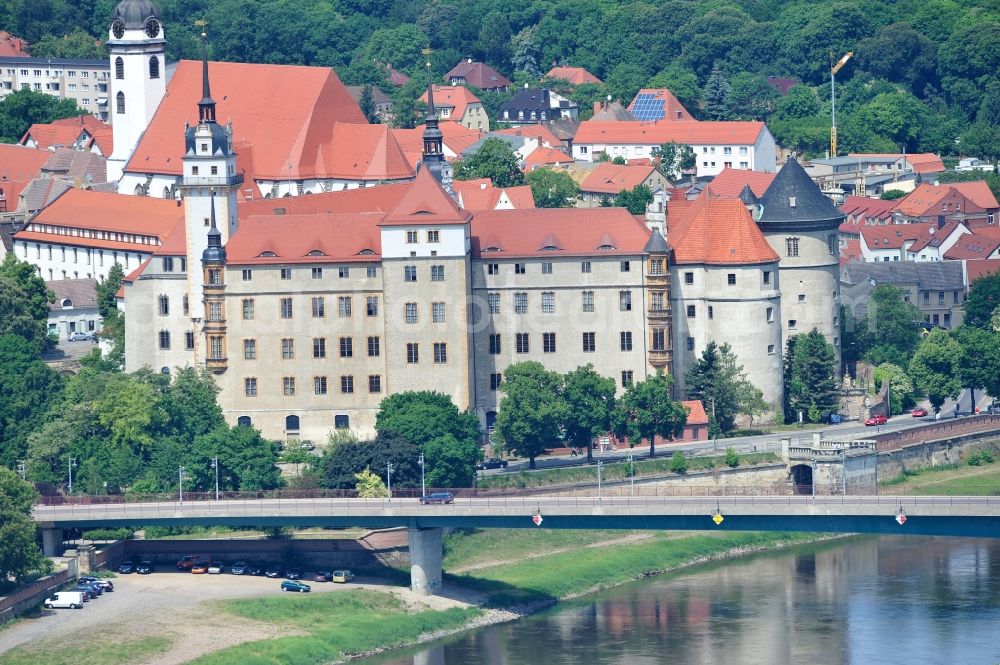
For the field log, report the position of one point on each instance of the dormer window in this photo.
(316, 252)
(606, 247)
(267, 254)
(791, 201)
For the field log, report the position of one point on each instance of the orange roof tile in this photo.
(364, 152)
(678, 131)
(546, 157)
(19, 165)
(720, 232)
(696, 412)
(287, 113)
(306, 238)
(12, 47)
(979, 245)
(540, 131)
(574, 75)
(104, 138)
(482, 195)
(456, 97)
(88, 209)
(426, 203)
(457, 139)
(730, 182)
(175, 242)
(926, 162)
(976, 268)
(76, 241)
(893, 236)
(572, 231)
(852, 250)
(673, 110)
(608, 178)
(520, 196)
(363, 199)
(978, 192)
(865, 208)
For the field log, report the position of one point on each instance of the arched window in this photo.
(292, 424)
(120, 102)
(119, 68)
(164, 303)
(154, 67)
(165, 370)
(244, 421)
(164, 339)
(167, 194)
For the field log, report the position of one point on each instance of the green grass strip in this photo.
(336, 624)
(95, 651)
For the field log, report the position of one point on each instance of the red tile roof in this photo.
(482, 195)
(935, 236)
(64, 132)
(306, 238)
(175, 242)
(678, 131)
(87, 209)
(572, 231)
(976, 268)
(926, 162)
(696, 412)
(730, 182)
(425, 202)
(672, 108)
(457, 139)
(456, 97)
(132, 276)
(12, 47)
(719, 232)
(539, 132)
(364, 152)
(546, 157)
(865, 208)
(979, 245)
(478, 75)
(286, 113)
(574, 75)
(610, 178)
(978, 192)
(18, 166)
(892, 236)
(363, 199)
(852, 250)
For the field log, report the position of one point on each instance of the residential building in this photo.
(83, 132)
(938, 290)
(382, 102)
(74, 308)
(730, 183)
(83, 81)
(870, 174)
(653, 104)
(457, 140)
(969, 202)
(696, 427)
(11, 46)
(457, 103)
(537, 105)
(982, 243)
(547, 158)
(477, 195)
(19, 165)
(717, 145)
(607, 110)
(573, 75)
(478, 75)
(607, 180)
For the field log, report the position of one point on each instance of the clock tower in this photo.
(137, 81)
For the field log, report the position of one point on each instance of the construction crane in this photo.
(834, 68)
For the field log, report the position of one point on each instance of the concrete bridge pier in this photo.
(52, 540)
(425, 560)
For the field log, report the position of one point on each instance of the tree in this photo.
(751, 97)
(19, 555)
(495, 39)
(590, 401)
(552, 188)
(337, 466)
(531, 411)
(400, 46)
(494, 159)
(900, 385)
(107, 289)
(625, 80)
(800, 102)
(247, 461)
(900, 54)
(681, 81)
(812, 382)
(646, 411)
(674, 159)
(979, 364)
(24, 302)
(717, 95)
(892, 194)
(525, 51)
(984, 298)
(367, 104)
(934, 368)
(891, 329)
(370, 486)
(678, 463)
(635, 200)
(27, 388)
(23, 108)
(722, 386)
(77, 44)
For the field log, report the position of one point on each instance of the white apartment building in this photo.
(83, 81)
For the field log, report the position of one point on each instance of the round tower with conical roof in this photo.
(801, 225)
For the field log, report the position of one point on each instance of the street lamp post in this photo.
(600, 464)
(388, 478)
(180, 483)
(72, 463)
(423, 485)
(215, 465)
(631, 471)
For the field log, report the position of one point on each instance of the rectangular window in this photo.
(494, 344)
(656, 267)
(770, 349)
(624, 266)
(589, 342)
(409, 273)
(831, 243)
(247, 275)
(802, 297)
(626, 378)
(548, 342)
(584, 266)
(288, 386)
(625, 340)
(791, 324)
(215, 311)
(374, 347)
(495, 381)
(770, 315)
(434, 236)
(493, 269)
(521, 342)
(691, 312)
(247, 309)
(690, 343)
(372, 272)
(412, 353)
(286, 308)
(317, 273)
(927, 297)
(767, 277)
(521, 302)
(791, 246)
(689, 278)
(371, 306)
(318, 308)
(168, 263)
(189, 340)
(493, 299)
(374, 383)
(346, 347)
(940, 297)
(659, 341)
(410, 311)
(287, 349)
(731, 279)
(319, 347)
(587, 300)
(286, 273)
(319, 385)
(344, 307)
(347, 384)
(440, 353)
(250, 387)
(548, 302)
(625, 301)
(249, 349)
(438, 312)
(437, 273)
(344, 272)
(546, 267)
(656, 301)
(411, 237)
(711, 312)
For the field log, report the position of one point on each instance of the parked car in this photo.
(79, 337)
(492, 464)
(215, 568)
(293, 574)
(89, 592)
(126, 568)
(257, 570)
(65, 599)
(438, 497)
(994, 407)
(239, 568)
(342, 576)
(191, 559)
(273, 572)
(200, 568)
(145, 567)
(323, 576)
(106, 585)
(294, 585)
(876, 420)
(919, 412)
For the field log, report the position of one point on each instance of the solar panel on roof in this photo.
(647, 107)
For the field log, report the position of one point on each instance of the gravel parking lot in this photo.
(168, 603)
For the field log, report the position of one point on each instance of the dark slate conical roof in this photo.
(135, 13)
(656, 244)
(793, 199)
(747, 196)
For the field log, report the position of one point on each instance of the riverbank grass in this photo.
(334, 625)
(98, 650)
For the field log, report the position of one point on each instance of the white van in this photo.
(70, 599)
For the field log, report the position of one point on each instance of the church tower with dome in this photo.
(137, 48)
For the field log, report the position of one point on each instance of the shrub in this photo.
(107, 534)
(981, 457)
(678, 463)
(732, 458)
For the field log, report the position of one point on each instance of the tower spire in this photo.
(206, 107)
(433, 139)
(214, 252)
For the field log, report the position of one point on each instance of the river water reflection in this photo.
(883, 601)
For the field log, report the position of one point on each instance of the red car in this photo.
(876, 420)
(919, 412)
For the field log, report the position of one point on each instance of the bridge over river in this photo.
(902, 515)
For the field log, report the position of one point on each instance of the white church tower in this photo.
(138, 77)
(208, 185)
